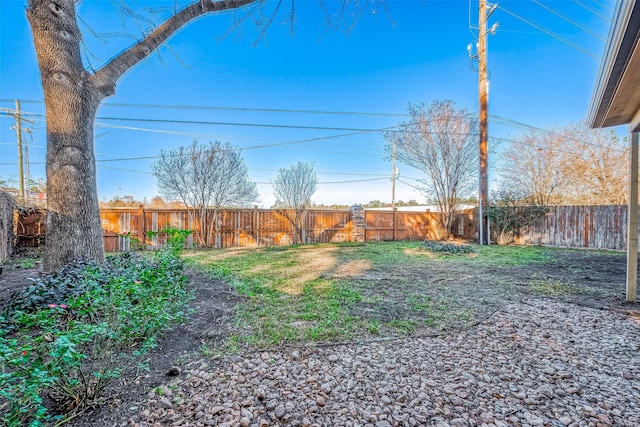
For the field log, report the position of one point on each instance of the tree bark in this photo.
(72, 97)
(73, 220)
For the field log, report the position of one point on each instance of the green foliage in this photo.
(508, 215)
(69, 335)
(56, 288)
(451, 248)
(136, 244)
(175, 238)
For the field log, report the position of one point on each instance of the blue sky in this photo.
(412, 52)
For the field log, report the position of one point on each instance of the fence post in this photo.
(359, 223)
(395, 224)
(256, 235)
(141, 224)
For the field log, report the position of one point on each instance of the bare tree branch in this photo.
(570, 165)
(439, 140)
(204, 178)
(293, 188)
(106, 78)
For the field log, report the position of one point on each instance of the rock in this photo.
(603, 418)
(246, 414)
(487, 417)
(165, 403)
(572, 390)
(216, 410)
(500, 373)
(326, 387)
(532, 419)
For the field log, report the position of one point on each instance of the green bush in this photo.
(65, 339)
(175, 238)
(451, 248)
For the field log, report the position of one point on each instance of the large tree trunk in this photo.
(73, 221)
(72, 97)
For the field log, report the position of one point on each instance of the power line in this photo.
(570, 21)
(238, 109)
(551, 33)
(258, 110)
(333, 182)
(603, 5)
(324, 173)
(510, 122)
(593, 11)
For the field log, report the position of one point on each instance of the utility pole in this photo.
(19, 136)
(18, 127)
(483, 122)
(393, 175)
(483, 101)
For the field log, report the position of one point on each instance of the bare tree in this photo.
(205, 178)
(293, 188)
(440, 140)
(597, 169)
(569, 165)
(73, 94)
(535, 165)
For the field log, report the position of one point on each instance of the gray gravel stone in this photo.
(165, 403)
(538, 363)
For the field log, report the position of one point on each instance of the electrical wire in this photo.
(593, 11)
(551, 33)
(237, 109)
(570, 20)
(263, 125)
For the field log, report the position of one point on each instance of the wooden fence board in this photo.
(592, 227)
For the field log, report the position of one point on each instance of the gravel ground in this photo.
(529, 364)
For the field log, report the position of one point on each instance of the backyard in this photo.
(341, 292)
(269, 325)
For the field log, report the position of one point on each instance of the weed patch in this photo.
(68, 336)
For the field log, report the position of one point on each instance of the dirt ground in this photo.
(468, 294)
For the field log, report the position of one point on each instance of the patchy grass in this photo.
(554, 288)
(336, 292)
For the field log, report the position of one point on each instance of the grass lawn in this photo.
(339, 292)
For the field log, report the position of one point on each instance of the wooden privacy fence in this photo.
(393, 225)
(265, 227)
(594, 227)
(238, 227)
